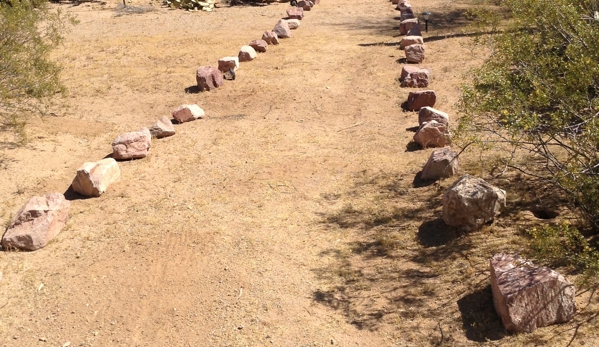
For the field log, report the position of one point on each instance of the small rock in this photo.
(406, 12)
(94, 178)
(295, 13)
(403, 5)
(428, 114)
(432, 134)
(293, 23)
(410, 40)
(187, 113)
(162, 128)
(306, 5)
(414, 53)
(471, 202)
(442, 163)
(415, 30)
(42, 339)
(208, 77)
(527, 297)
(66, 344)
(282, 29)
(37, 222)
(420, 99)
(415, 77)
(270, 37)
(406, 25)
(227, 63)
(259, 45)
(132, 145)
(247, 53)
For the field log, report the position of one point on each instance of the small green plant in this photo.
(191, 5)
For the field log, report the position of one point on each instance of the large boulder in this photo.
(208, 77)
(471, 202)
(420, 99)
(247, 53)
(414, 53)
(93, 179)
(432, 134)
(427, 114)
(132, 145)
(282, 29)
(37, 222)
(442, 163)
(187, 113)
(227, 63)
(293, 23)
(527, 297)
(406, 12)
(270, 37)
(415, 77)
(410, 40)
(162, 128)
(259, 45)
(295, 13)
(406, 25)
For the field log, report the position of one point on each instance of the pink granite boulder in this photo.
(37, 222)
(295, 13)
(527, 297)
(406, 13)
(187, 113)
(282, 29)
(406, 25)
(293, 23)
(209, 77)
(420, 99)
(227, 63)
(270, 37)
(442, 163)
(247, 53)
(432, 134)
(93, 178)
(414, 53)
(132, 145)
(162, 128)
(410, 40)
(427, 114)
(306, 5)
(259, 45)
(415, 77)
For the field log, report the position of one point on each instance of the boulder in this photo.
(187, 113)
(259, 45)
(432, 134)
(306, 5)
(209, 77)
(406, 12)
(406, 25)
(162, 128)
(471, 202)
(403, 5)
(227, 63)
(427, 114)
(442, 163)
(414, 53)
(37, 222)
(94, 178)
(414, 30)
(270, 37)
(415, 77)
(282, 29)
(316, 2)
(247, 53)
(295, 13)
(410, 40)
(132, 145)
(527, 297)
(293, 23)
(420, 99)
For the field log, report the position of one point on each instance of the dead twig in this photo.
(351, 126)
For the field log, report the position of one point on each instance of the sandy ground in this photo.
(287, 217)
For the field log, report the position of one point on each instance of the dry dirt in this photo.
(288, 216)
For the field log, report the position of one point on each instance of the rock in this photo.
(293, 23)
(428, 114)
(208, 77)
(295, 13)
(247, 53)
(162, 128)
(415, 77)
(414, 30)
(187, 113)
(403, 5)
(420, 99)
(282, 29)
(37, 222)
(406, 12)
(471, 202)
(432, 134)
(259, 45)
(406, 25)
(410, 40)
(94, 178)
(132, 145)
(227, 63)
(442, 163)
(414, 53)
(306, 5)
(394, 2)
(270, 37)
(527, 297)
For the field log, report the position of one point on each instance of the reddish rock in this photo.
(471, 202)
(162, 128)
(394, 2)
(420, 99)
(282, 29)
(227, 63)
(37, 222)
(415, 77)
(527, 297)
(293, 23)
(208, 77)
(427, 114)
(259, 45)
(432, 134)
(406, 25)
(270, 37)
(442, 163)
(187, 113)
(403, 5)
(132, 145)
(94, 178)
(295, 13)
(406, 13)
(247, 53)
(306, 5)
(414, 30)
(316, 2)
(414, 53)
(411, 40)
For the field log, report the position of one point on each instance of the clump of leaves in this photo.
(191, 5)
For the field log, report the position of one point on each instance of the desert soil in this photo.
(288, 216)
